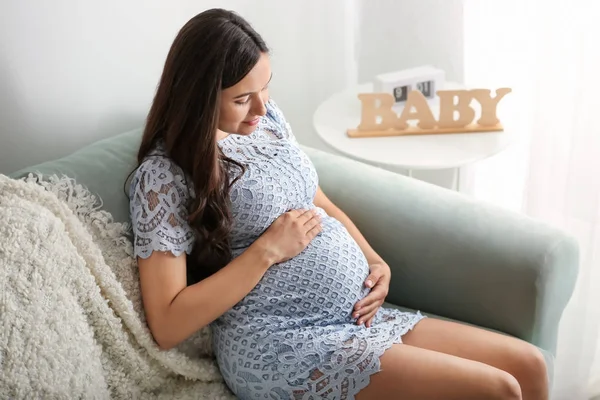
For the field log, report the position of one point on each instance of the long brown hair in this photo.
(213, 51)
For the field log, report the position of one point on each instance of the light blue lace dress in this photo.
(293, 335)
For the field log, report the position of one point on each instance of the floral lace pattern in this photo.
(293, 336)
(159, 195)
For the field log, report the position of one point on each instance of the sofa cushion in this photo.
(102, 167)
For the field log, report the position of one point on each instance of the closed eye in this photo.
(239, 98)
(242, 102)
(247, 100)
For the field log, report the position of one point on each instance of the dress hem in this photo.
(397, 340)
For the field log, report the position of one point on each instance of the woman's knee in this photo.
(531, 367)
(506, 387)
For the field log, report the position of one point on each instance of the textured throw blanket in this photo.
(71, 319)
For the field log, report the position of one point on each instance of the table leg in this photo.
(456, 178)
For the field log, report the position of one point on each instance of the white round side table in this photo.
(419, 156)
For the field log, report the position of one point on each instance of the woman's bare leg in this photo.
(519, 358)
(412, 373)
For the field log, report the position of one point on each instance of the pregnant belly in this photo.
(320, 286)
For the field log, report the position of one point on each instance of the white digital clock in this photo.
(426, 79)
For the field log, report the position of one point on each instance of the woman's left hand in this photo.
(379, 282)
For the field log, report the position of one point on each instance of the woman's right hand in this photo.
(290, 233)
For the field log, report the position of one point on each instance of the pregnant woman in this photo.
(232, 231)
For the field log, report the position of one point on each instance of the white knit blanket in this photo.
(71, 319)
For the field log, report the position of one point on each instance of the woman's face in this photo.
(244, 103)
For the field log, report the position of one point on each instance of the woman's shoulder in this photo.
(159, 200)
(276, 116)
(274, 112)
(159, 174)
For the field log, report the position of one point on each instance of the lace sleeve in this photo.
(275, 113)
(158, 207)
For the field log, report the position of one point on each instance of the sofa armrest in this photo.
(454, 256)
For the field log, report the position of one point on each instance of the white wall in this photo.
(398, 34)
(72, 72)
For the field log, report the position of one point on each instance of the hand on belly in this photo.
(322, 283)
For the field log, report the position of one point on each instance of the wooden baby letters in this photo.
(379, 119)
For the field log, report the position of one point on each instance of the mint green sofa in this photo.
(451, 256)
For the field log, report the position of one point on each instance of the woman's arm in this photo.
(174, 312)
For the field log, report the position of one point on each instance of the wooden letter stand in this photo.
(378, 118)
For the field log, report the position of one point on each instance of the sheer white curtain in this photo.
(549, 53)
